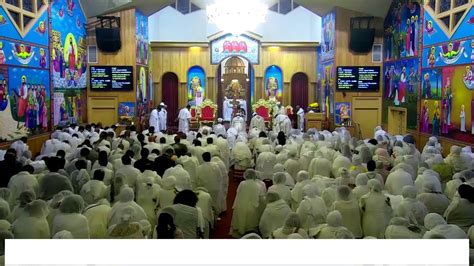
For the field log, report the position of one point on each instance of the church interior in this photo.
(380, 83)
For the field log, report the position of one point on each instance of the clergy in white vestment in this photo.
(154, 120)
(184, 118)
(300, 114)
(163, 117)
(228, 109)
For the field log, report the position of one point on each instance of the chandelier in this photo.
(237, 16)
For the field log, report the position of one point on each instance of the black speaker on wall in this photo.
(108, 39)
(362, 38)
(108, 34)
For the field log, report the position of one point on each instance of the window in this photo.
(449, 13)
(185, 6)
(24, 12)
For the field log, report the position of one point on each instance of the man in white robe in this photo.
(227, 109)
(154, 120)
(257, 122)
(163, 117)
(300, 114)
(184, 118)
(210, 178)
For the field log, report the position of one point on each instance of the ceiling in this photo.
(376, 8)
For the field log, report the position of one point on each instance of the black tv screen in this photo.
(358, 78)
(111, 78)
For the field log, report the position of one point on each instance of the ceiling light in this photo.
(237, 16)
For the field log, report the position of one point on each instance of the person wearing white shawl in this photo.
(412, 204)
(376, 210)
(361, 186)
(126, 197)
(265, 163)
(190, 165)
(20, 146)
(320, 166)
(224, 181)
(219, 128)
(209, 176)
(248, 204)
(436, 159)
(378, 131)
(340, 162)
(427, 175)
(349, 209)
(344, 178)
(292, 225)
(279, 187)
(128, 172)
(224, 150)
(257, 122)
(332, 229)
(312, 209)
(434, 200)
(292, 165)
(166, 192)
(455, 160)
(32, 224)
(204, 203)
(433, 142)
(242, 156)
(436, 225)
(274, 215)
(147, 198)
(70, 218)
(282, 123)
(126, 227)
(399, 228)
(183, 178)
(302, 179)
(461, 211)
(396, 180)
(452, 185)
(23, 181)
(305, 159)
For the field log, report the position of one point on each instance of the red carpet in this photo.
(222, 227)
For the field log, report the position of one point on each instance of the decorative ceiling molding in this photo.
(23, 16)
(448, 14)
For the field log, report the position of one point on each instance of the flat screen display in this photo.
(111, 78)
(358, 78)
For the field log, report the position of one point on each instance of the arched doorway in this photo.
(169, 88)
(299, 90)
(235, 74)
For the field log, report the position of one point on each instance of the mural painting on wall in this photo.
(451, 53)
(38, 33)
(126, 111)
(328, 36)
(67, 107)
(196, 85)
(68, 41)
(25, 102)
(142, 45)
(343, 114)
(274, 83)
(328, 87)
(142, 94)
(433, 34)
(401, 87)
(402, 30)
(230, 45)
(21, 54)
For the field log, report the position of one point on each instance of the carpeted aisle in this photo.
(222, 227)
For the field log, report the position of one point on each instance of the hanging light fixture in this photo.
(237, 16)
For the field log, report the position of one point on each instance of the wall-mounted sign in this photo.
(230, 45)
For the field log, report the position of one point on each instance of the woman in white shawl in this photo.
(349, 209)
(455, 160)
(291, 226)
(126, 197)
(279, 187)
(332, 229)
(32, 224)
(436, 225)
(147, 198)
(312, 210)
(248, 204)
(399, 228)
(320, 166)
(302, 179)
(461, 210)
(274, 214)
(242, 156)
(376, 210)
(361, 186)
(434, 200)
(70, 218)
(411, 204)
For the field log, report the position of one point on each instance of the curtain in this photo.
(170, 96)
(299, 90)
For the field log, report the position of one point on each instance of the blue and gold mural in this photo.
(68, 41)
(328, 37)
(142, 45)
(196, 85)
(274, 83)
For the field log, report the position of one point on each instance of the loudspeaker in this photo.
(108, 39)
(362, 40)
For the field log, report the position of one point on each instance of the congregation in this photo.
(89, 182)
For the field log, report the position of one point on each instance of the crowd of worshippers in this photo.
(91, 182)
